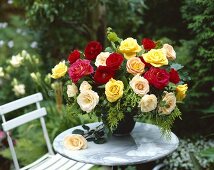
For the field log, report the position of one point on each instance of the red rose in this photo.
(157, 77)
(103, 74)
(174, 76)
(148, 44)
(146, 64)
(92, 49)
(114, 61)
(79, 69)
(73, 56)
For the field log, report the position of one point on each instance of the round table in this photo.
(144, 144)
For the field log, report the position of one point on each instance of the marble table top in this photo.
(144, 144)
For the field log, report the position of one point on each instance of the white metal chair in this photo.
(49, 161)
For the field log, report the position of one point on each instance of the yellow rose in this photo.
(170, 103)
(181, 92)
(170, 52)
(75, 142)
(129, 47)
(114, 90)
(135, 66)
(156, 57)
(59, 70)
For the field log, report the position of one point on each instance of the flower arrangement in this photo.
(123, 79)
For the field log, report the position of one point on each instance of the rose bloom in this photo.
(170, 103)
(174, 76)
(101, 59)
(156, 57)
(181, 92)
(16, 61)
(59, 70)
(139, 85)
(157, 77)
(103, 74)
(85, 86)
(73, 56)
(75, 142)
(148, 44)
(87, 100)
(114, 61)
(135, 66)
(19, 89)
(148, 103)
(72, 90)
(129, 47)
(79, 69)
(170, 52)
(92, 50)
(114, 90)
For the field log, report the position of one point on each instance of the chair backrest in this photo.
(39, 113)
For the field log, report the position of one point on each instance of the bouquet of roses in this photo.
(124, 79)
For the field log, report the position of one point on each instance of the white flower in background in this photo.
(18, 30)
(10, 1)
(10, 44)
(3, 25)
(148, 103)
(139, 85)
(170, 103)
(16, 61)
(88, 100)
(19, 89)
(25, 54)
(101, 59)
(34, 44)
(85, 86)
(72, 90)
(1, 43)
(1, 72)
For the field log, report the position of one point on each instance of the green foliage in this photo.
(208, 153)
(61, 30)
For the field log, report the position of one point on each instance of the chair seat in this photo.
(57, 162)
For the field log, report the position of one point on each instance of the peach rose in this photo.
(170, 103)
(139, 85)
(170, 52)
(135, 66)
(85, 86)
(75, 142)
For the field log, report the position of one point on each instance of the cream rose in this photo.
(85, 86)
(139, 85)
(101, 59)
(135, 66)
(148, 103)
(87, 100)
(129, 47)
(72, 90)
(170, 103)
(170, 52)
(75, 142)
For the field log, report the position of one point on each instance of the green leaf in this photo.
(208, 153)
(86, 127)
(90, 139)
(78, 131)
(109, 49)
(100, 141)
(176, 66)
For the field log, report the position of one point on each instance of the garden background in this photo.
(48, 30)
